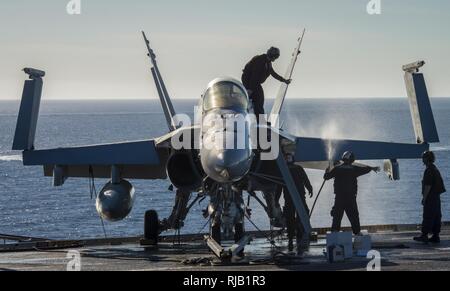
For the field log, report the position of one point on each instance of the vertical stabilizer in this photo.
(279, 101)
(166, 103)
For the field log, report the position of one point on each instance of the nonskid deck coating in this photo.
(397, 249)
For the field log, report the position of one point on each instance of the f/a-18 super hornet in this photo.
(214, 157)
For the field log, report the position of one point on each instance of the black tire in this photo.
(151, 226)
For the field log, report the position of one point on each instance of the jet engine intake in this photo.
(183, 172)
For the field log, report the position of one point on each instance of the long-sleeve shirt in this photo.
(432, 177)
(257, 71)
(301, 179)
(346, 178)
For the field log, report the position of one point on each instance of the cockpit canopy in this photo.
(225, 95)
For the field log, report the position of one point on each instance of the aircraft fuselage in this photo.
(226, 148)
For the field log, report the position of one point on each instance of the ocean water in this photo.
(30, 206)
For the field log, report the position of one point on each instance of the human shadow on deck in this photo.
(153, 255)
(342, 266)
(7, 270)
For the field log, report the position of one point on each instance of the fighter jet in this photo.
(186, 157)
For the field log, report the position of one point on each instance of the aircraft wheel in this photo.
(151, 226)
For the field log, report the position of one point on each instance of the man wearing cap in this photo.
(346, 188)
(432, 188)
(256, 73)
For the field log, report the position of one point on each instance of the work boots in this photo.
(423, 238)
(291, 245)
(435, 239)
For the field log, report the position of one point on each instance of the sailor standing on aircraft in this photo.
(256, 73)
(432, 188)
(346, 189)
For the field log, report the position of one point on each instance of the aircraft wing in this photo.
(145, 159)
(313, 150)
(132, 153)
(316, 153)
(137, 160)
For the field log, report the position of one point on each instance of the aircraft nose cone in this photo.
(225, 162)
(227, 165)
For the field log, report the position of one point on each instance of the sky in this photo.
(100, 54)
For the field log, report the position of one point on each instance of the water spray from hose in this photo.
(330, 159)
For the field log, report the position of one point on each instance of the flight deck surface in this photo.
(398, 252)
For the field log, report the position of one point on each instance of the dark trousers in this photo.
(432, 216)
(293, 225)
(257, 99)
(345, 203)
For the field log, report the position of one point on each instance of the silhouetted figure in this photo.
(432, 188)
(256, 73)
(293, 226)
(346, 189)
